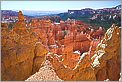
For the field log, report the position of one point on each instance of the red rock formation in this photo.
(110, 61)
(4, 25)
(68, 39)
(105, 63)
(80, 73)
(35, 23)
(19, 57)
(39, 52)
(20, 25)
(74, 49)
(51, 39)
(82, 43)
(20, 17)
(93, 46)
(60, 35)
(98, 33)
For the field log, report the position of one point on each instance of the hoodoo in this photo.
(48, 48)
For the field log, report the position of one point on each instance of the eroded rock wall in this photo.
(21, 52)
(103, 64)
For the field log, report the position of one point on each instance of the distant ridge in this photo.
(44, 13)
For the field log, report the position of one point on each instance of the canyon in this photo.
(68, 51)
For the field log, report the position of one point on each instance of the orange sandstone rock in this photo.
(19, 56)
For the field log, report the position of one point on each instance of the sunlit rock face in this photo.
(20, 53)
(20, 25)
(103, 64)
(81, 43)
(82, 69)
(39, 56)
(20, 16)
(41, 34)
(106, 60)
(110, 55)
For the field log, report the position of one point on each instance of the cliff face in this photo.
(110, 60)
(103, 64)
(20, 52)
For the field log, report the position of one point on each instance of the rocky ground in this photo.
(45, 73)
